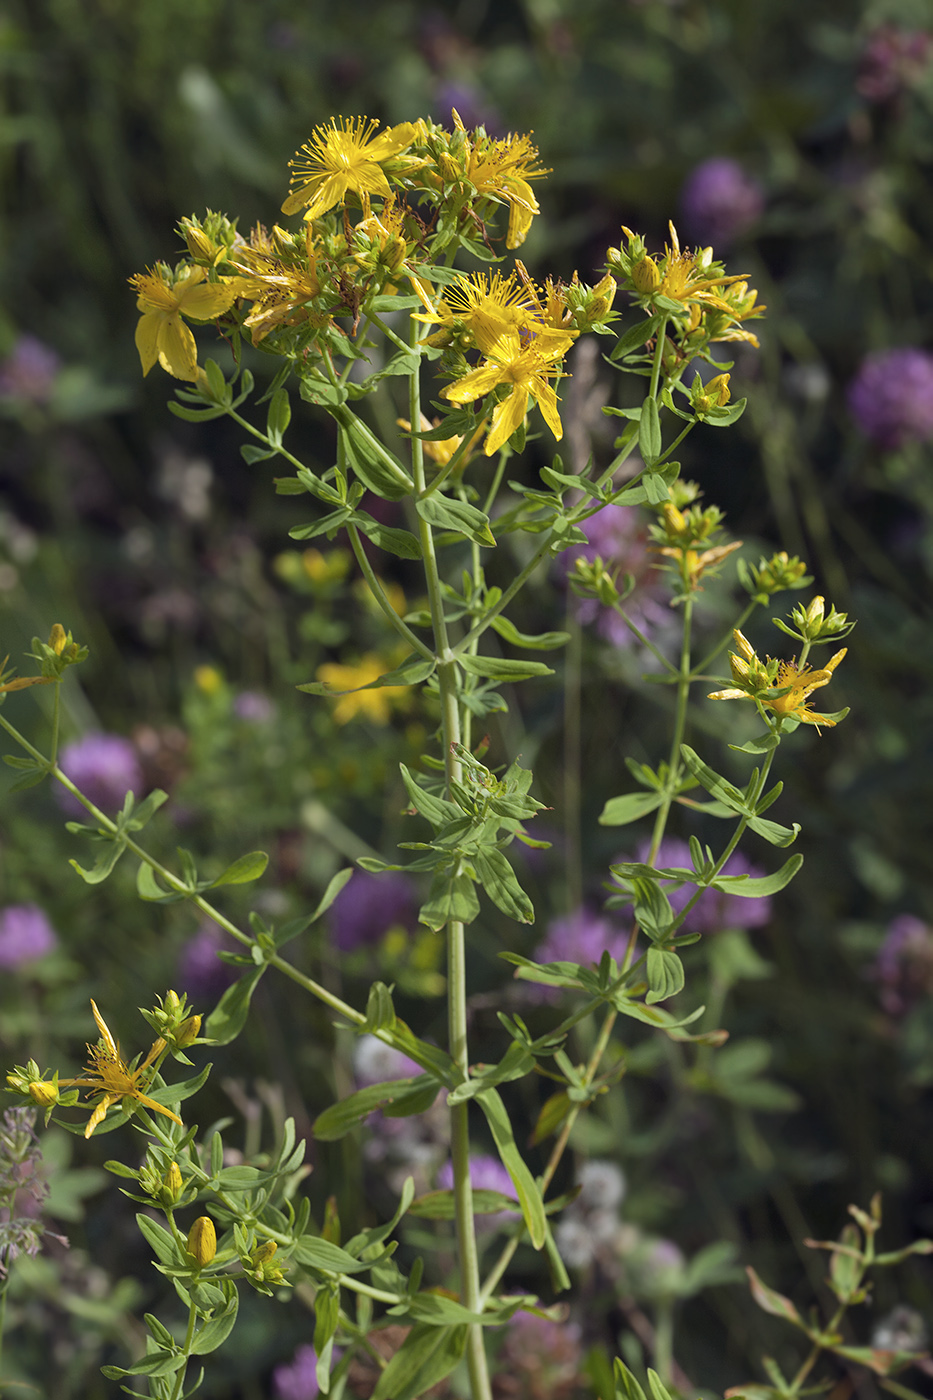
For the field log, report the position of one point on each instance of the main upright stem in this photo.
(456, 948)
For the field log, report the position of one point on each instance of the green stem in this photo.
(379, 594)
(447, 677)
(189, 1338)
(680, 724)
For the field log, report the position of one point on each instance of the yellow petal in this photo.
(104, 1029)
(546, 399)
(178, 353)
(99, 1114)
(508, 417)
(148, 328)
(210, 299)
(473, 385)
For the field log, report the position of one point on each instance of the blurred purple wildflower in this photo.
(486, 1174)
(904, 965)
(28, 373)
(891, 397)
(720, 201)
(714, 910)
(580, 937)
(472, 105)
(370, 904)
(540, 1359)
(374, 1061)
(617, 536)
(297, 1380)
(25, 935)
(254, 707)
(200, 972)
(105, 767)
(892, 61)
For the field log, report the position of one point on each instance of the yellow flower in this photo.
(375, 705)
(202, 1241)
(525, 369)
(112, 1080)
(501, 169)
(342, 156)
(783, 688)
(161, 334)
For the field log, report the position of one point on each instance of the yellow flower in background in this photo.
(341, 156)
(161, 334)
(376, 705)
(112, 1080)
(525, 369)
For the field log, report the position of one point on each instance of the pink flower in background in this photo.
(105, 767)
(486, 1174)
(29, 371)
(892, 61)
(891, 397)
(297, 1379)
(25, 935)
(201, 973)
(714, 910)
(903, 967)
(720, 202)
(370, 904)
(617, 535)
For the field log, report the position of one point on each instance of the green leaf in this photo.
(445, 514)
(252, 453)
(377, 468)
(717, 786)
(771, 1301)
(105, 862)
(665, 975)
(279, 415)
(399, 542)
(627, 1387)
(413, 669)
(499, 668)
(515, 1064)
(635, 337)
(427, 1355)
(772, 832)
(451, 896)
(326, 525)
(216, 1331)
(755, 888)
(148, 887)
(649, 431)
(337, 1120)
(159, 1238)
(317, 1253)
(619, 811)
(543, 641)
(242, 871)
(437, 810)
(441, 1205)
(529, 1196)
(499, 881)
(158, 1364)
(725, 417)
(229, 1015)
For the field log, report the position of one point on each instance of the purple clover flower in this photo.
(201, 973)
(617, 536)
(105, 767)
(25, 935)
(253, 707)
(720, 201)
(581, 937)
(28, 373)
(714, 910)
(892, 61)
(904, 964)
(297, 1379)
(545, 1355)
(891, 397)
(370, 904)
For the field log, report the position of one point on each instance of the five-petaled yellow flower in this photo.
(782, 688)
(344, 155)
(112, 1080)
(161, 334)
(524, 366)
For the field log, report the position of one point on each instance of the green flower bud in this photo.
(42, 1092)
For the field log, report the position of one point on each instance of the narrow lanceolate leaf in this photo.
(526, 1188)
(751, 887)
(464, 519)
(500, 668)
(243, 871)
(335, 1122)
(542, 641)
(770, 1301)
(649, 431)
(426, 1356)
(229, 1015)
(498, 880)
(619, 811)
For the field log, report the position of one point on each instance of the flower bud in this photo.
(172, 1185)
(58, 638)
(263, 1253)
(171, 1003)
(646, 276)
(187, 1032)
(449, 168)
(42, 1092)
(202, 1241)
